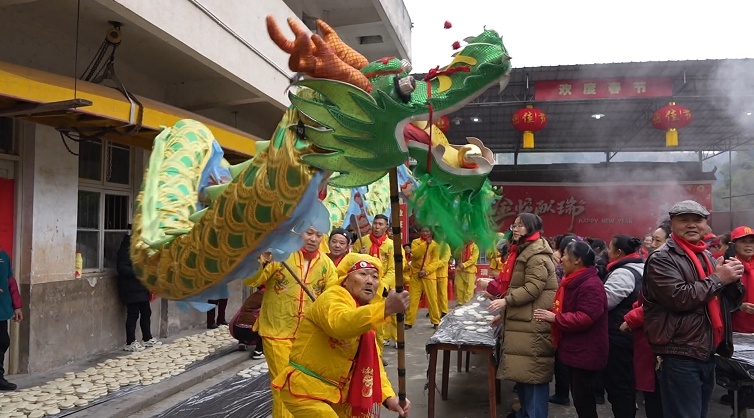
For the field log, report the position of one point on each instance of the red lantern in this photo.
(670, 118)
(529, 120)
(443, 124)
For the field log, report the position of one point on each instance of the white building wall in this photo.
(229, 36)
(55, 205)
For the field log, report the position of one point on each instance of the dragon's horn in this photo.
(277, 36)
(342, 50)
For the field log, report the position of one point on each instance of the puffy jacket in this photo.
(583, 322)
(529, 356)
(675, 308)
(130, 289)
(623, 285)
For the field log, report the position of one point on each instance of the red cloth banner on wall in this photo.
(599, 211)
(7, 202)
(603, 88)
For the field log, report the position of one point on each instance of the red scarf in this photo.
(713, 306)
(612, 263)
(557, 305)
(365, 393)
(467, 252)
(336, 261)
(309, 256)
(374, 251)
(743, 322)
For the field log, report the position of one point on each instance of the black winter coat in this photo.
(130, 288)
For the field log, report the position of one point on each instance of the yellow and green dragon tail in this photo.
(179, 251)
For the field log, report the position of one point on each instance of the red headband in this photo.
(362, 264)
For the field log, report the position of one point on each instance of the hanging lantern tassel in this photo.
(528, 139)
(671, 137)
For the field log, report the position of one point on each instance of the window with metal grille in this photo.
(104, 202)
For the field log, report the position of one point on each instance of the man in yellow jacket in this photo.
(425, 260)
(284, 303)
(334, 369)
(379, 245)
(442, 279)
(466, 272)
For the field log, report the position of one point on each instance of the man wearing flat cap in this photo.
(335, 369)
(688, 300)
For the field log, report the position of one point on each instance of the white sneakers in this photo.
(137, 346)
(134, 347)
(152, 343)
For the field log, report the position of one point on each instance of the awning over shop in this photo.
(66, 103)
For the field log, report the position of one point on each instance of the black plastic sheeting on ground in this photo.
(127, 390)
(739, 369)
(236, 397)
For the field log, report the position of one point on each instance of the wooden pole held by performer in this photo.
(355, 225)
(395, 220)
(300, 282)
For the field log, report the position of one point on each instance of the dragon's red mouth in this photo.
(413, 133)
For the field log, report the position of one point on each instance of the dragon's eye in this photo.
(404, 86)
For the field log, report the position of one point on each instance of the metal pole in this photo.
(730, 189)
(395, 219)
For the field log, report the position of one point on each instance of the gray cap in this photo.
(689, 206)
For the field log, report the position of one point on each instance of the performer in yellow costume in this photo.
(425, 260)
(335, 369)
(442, 279)
(379, 245)
(466, 273)
(340, 245)
(284, 303)
(496, 262)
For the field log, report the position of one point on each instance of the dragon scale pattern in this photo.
(257, 201)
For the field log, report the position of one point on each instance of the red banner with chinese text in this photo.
(603, 88)
(600, 211)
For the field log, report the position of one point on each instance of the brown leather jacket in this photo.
(675, 309)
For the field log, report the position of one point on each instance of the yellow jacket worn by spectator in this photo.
(466, 272)
(442, 279)
(425, 260)
(284, 303)
(334, 368)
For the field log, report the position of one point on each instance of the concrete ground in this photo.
(468, 396)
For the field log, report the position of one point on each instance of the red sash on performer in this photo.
(365, 392)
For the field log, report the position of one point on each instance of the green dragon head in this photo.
(362, 119)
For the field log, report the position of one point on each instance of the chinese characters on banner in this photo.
(404, 223)
(619, 88)
(600, 210)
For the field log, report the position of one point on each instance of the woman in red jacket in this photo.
(742, 247)
(579, 324)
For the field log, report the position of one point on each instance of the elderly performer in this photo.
(335, 368)
(285, 300)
